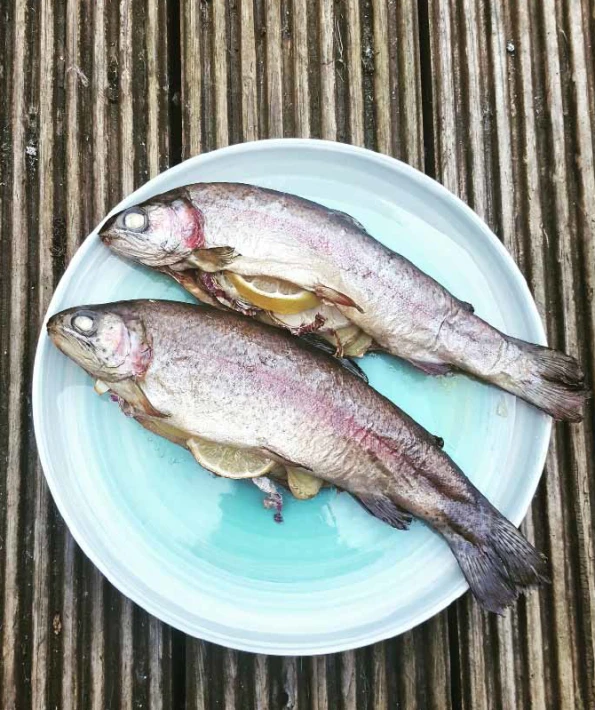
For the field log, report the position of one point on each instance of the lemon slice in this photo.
(227, 461)
(273, 294)
(303, 485)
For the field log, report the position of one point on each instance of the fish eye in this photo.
(135, 219)
(84, 323)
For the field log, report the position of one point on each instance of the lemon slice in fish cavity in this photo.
(302, 484)
(272, 294)
(228, 461)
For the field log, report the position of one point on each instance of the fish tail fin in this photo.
(498, 562)
(554, 383)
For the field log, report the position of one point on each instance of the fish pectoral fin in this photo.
(334, 297)
(131, 392)
(384, 509)
(188, 280)
(321, 344)
(147, 408)
(354, 368)
(212, 260)
(162, 428)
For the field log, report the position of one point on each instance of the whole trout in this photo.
(200, 233)
(197, 372)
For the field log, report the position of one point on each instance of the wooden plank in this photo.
(220, 45)
(274, 77)
(248, 72)
(354, 65)
(326, 30)
(192, 80)
(381, 76)
(42, 629)
(406, 100)
(17, 323)
(300, 69)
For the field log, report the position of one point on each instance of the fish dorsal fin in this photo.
(351, 221)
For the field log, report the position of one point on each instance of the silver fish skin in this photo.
(222, 377)
(256, 231)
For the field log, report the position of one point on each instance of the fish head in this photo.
(110, 344)
(161, 232)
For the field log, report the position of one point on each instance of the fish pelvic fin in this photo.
(435, 369)
(555, 382)
(212, 260)
(497, 561)
(330, 295)
(384, 509)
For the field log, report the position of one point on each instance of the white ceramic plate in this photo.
(201, 553)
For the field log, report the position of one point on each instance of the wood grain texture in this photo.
(497, 101)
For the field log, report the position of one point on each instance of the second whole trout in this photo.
(221, 377)
(208, 235)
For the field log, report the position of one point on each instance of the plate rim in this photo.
(122, 582)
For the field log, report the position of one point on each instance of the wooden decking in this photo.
(495, 99)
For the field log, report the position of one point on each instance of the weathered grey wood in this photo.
(16, 255)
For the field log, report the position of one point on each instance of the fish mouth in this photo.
(59, 336)
(108, 238)
(108, 234)
(55, 326)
